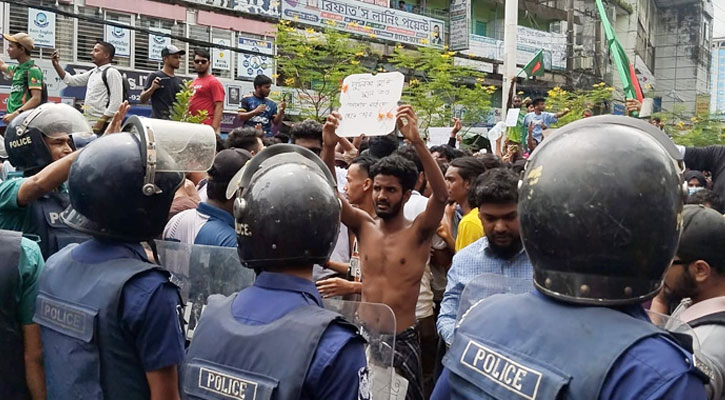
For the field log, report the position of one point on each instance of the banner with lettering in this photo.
(260, 63)
(120, 38)
(460, 24)
(255, 7)
(370, 20)
(221, 58)
(157, 43)
(41, 27)
(368, 103)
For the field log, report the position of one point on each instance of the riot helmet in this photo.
(122, 185)
(600, 210)
(24, 137)
(287, 212)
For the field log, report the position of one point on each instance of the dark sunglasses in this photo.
(201, 61)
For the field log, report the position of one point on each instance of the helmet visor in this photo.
(186, 147)
(58, 120)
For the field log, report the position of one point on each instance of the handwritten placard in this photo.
(368, 103)
(512, 117)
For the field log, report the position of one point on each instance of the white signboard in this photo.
(438, 136)
(250, 65)
(460, 26)
(529, 42)
(41, 26)
(368, 103)
(157, 43)
(120, 38)
(512, 117)
(375, 22)
(221, 58)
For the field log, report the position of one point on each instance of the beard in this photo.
(505, 251)
(390, 211)
(684, 288)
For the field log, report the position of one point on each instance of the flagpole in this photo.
(511, 21)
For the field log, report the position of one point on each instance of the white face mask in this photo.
(693, 189)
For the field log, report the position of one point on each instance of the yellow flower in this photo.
(611, 88)
(520, 93)
(372, 35)
(480, 79)
(414, 82)
(289, 81)
(275, 76)
(445, 56)
(330, 22)
(424, 41)
(354, 24)
(354, 62)
(693, 119)
(275, 94)
(648, 86)
(399, 46)
(310, 31)
(360, 53)
(451, 53)
(381, 69)
(367, 28)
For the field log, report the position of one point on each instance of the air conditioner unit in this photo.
(558, 27)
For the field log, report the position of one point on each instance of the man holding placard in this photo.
(393, 250)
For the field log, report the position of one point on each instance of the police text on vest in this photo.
(226, 385)
(503, 371)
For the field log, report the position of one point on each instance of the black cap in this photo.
(227, 163)
(171, 50)
(703, 235)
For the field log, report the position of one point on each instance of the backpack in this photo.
(126, 95)
(43, 90)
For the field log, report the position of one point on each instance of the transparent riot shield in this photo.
(201, 271)
(376, 323)
(485, 285)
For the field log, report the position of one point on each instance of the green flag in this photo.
(630, 84)
(535, 67)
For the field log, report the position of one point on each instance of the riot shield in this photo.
(201, 271)
(487, 284)
(376, 323)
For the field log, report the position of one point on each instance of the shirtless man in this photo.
(393, 250)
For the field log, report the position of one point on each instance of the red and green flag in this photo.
(535, 67)
(630, 84)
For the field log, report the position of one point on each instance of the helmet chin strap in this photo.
(149, 187)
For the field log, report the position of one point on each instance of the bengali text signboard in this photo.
(367, 19)
(368, 103)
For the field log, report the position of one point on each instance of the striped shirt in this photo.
(474, 260)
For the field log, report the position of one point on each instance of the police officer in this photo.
(600, 213)
(40, 147)
(110, 319)
(275, 339)
(21, 365)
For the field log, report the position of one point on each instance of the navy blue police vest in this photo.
(44, 222)
(86, 354)
(530, 347)
(12, 362)
(229, 359)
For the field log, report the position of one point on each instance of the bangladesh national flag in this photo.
(535, 67)
(630, 84)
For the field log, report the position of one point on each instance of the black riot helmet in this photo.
(24, 136)
(287, 212)
(122, 185)
(600, 210)
(106, 191)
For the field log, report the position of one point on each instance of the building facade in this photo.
(717, 99)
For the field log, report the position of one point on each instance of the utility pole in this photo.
(510, 34)
(570, 46)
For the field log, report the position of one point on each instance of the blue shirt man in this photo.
(259, 109)
(339, 355)
(212, 222)
(653, 368)
(471, 261)
(539, 120)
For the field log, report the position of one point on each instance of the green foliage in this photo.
(578, 102)
(702, 130)
(315, 63)
(440, 90)
(180, 108)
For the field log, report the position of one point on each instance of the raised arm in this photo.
(45, 181)
(352, 217)
(428, 221)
